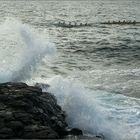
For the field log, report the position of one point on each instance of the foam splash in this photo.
(97, 112)
(21, 49)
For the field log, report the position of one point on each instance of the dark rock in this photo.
(27, 112)
(39, 132)
(17, 128)
(35, 89)
(15, 125)
(101, 136)
(6, 115)
(11, 85)
(42, 86)
(6, 133)
(75, 132)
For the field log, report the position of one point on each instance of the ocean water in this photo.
(93, 71)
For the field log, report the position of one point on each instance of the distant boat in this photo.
(70, 25)
(121, 22)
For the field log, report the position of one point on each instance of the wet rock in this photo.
(6, 115)
(40, 132)
(15, 125)
(101, 136)
(27, 112)
(6, 133)
(75, 132)
(42, 86)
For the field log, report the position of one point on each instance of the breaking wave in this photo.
(97, 112)
(21, 49)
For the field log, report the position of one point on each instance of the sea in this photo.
(93, 71)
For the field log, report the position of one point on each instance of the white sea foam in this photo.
(21, 48)
(113, 115)
(97, 112)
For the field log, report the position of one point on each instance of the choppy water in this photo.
(95, 72)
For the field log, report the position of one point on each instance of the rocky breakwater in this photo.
(27, 112)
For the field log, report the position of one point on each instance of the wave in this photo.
(21, 50)
(97, 112)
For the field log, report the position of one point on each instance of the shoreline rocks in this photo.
(27, 112)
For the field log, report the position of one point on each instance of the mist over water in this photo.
(95, 74)
(21, 50)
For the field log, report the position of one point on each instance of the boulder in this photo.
(27, 112)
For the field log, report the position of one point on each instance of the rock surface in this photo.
(27, 112)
